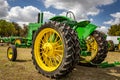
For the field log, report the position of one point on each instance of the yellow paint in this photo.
(10, 53)
(18, 41)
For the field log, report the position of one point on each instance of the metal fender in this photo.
(84, 29)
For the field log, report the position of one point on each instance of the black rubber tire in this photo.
(14, 53)
(112, 47)
(69, 59)
(102, 49)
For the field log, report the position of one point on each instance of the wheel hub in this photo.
(48, 49)
(10, 53)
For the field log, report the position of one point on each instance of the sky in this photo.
(102, 13)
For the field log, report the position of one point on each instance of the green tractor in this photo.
(113, 43)
(24, 41)
(61, 43)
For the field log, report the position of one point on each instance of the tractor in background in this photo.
(9, 40)
(24, 41)
(113, 43)
(61, 43)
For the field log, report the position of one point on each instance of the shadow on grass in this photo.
(92, 73)
(23, 60)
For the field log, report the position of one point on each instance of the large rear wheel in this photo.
(97, 46)
(53, 49)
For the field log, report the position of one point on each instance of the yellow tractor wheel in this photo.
(53, 50)
(11, 53)
(97, 46)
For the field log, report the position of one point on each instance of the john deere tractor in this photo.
(61, 43)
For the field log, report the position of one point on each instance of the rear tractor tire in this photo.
(12, 53)
(97, 45)
(53, 49)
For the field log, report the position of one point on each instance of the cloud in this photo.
(26, 14)
(103, 29)
(81, 8)
(4, 6)
(48, 15)
(115, 19)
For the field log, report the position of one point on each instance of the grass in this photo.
(23, 68)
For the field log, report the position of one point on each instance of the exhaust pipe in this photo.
(40, 18)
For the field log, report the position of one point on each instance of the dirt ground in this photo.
(23, 69)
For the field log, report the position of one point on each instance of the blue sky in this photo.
(100, 12)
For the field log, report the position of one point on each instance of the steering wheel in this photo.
(71, 15)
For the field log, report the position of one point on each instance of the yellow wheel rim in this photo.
(92, 47)
(10, 53)
(18, 41)
(48, 49)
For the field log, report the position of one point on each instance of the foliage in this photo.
(24, 31)
(12, 29)
(6, 28)
(19, 31)
(114, 30)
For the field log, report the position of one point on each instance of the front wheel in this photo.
(97, 46)
(12, 53)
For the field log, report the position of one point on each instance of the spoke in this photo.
(42, 41)
(61, 51)
(58, 42)
(56, 37)
(44, 54)
(50, 62)
(59, 46)
(46, 60)
(46, 37)
(51, 36)
(55, 62)
(58, 58)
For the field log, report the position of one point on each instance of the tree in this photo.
(6, 28)
(24, 31)
(18, 29)
(114, 30)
